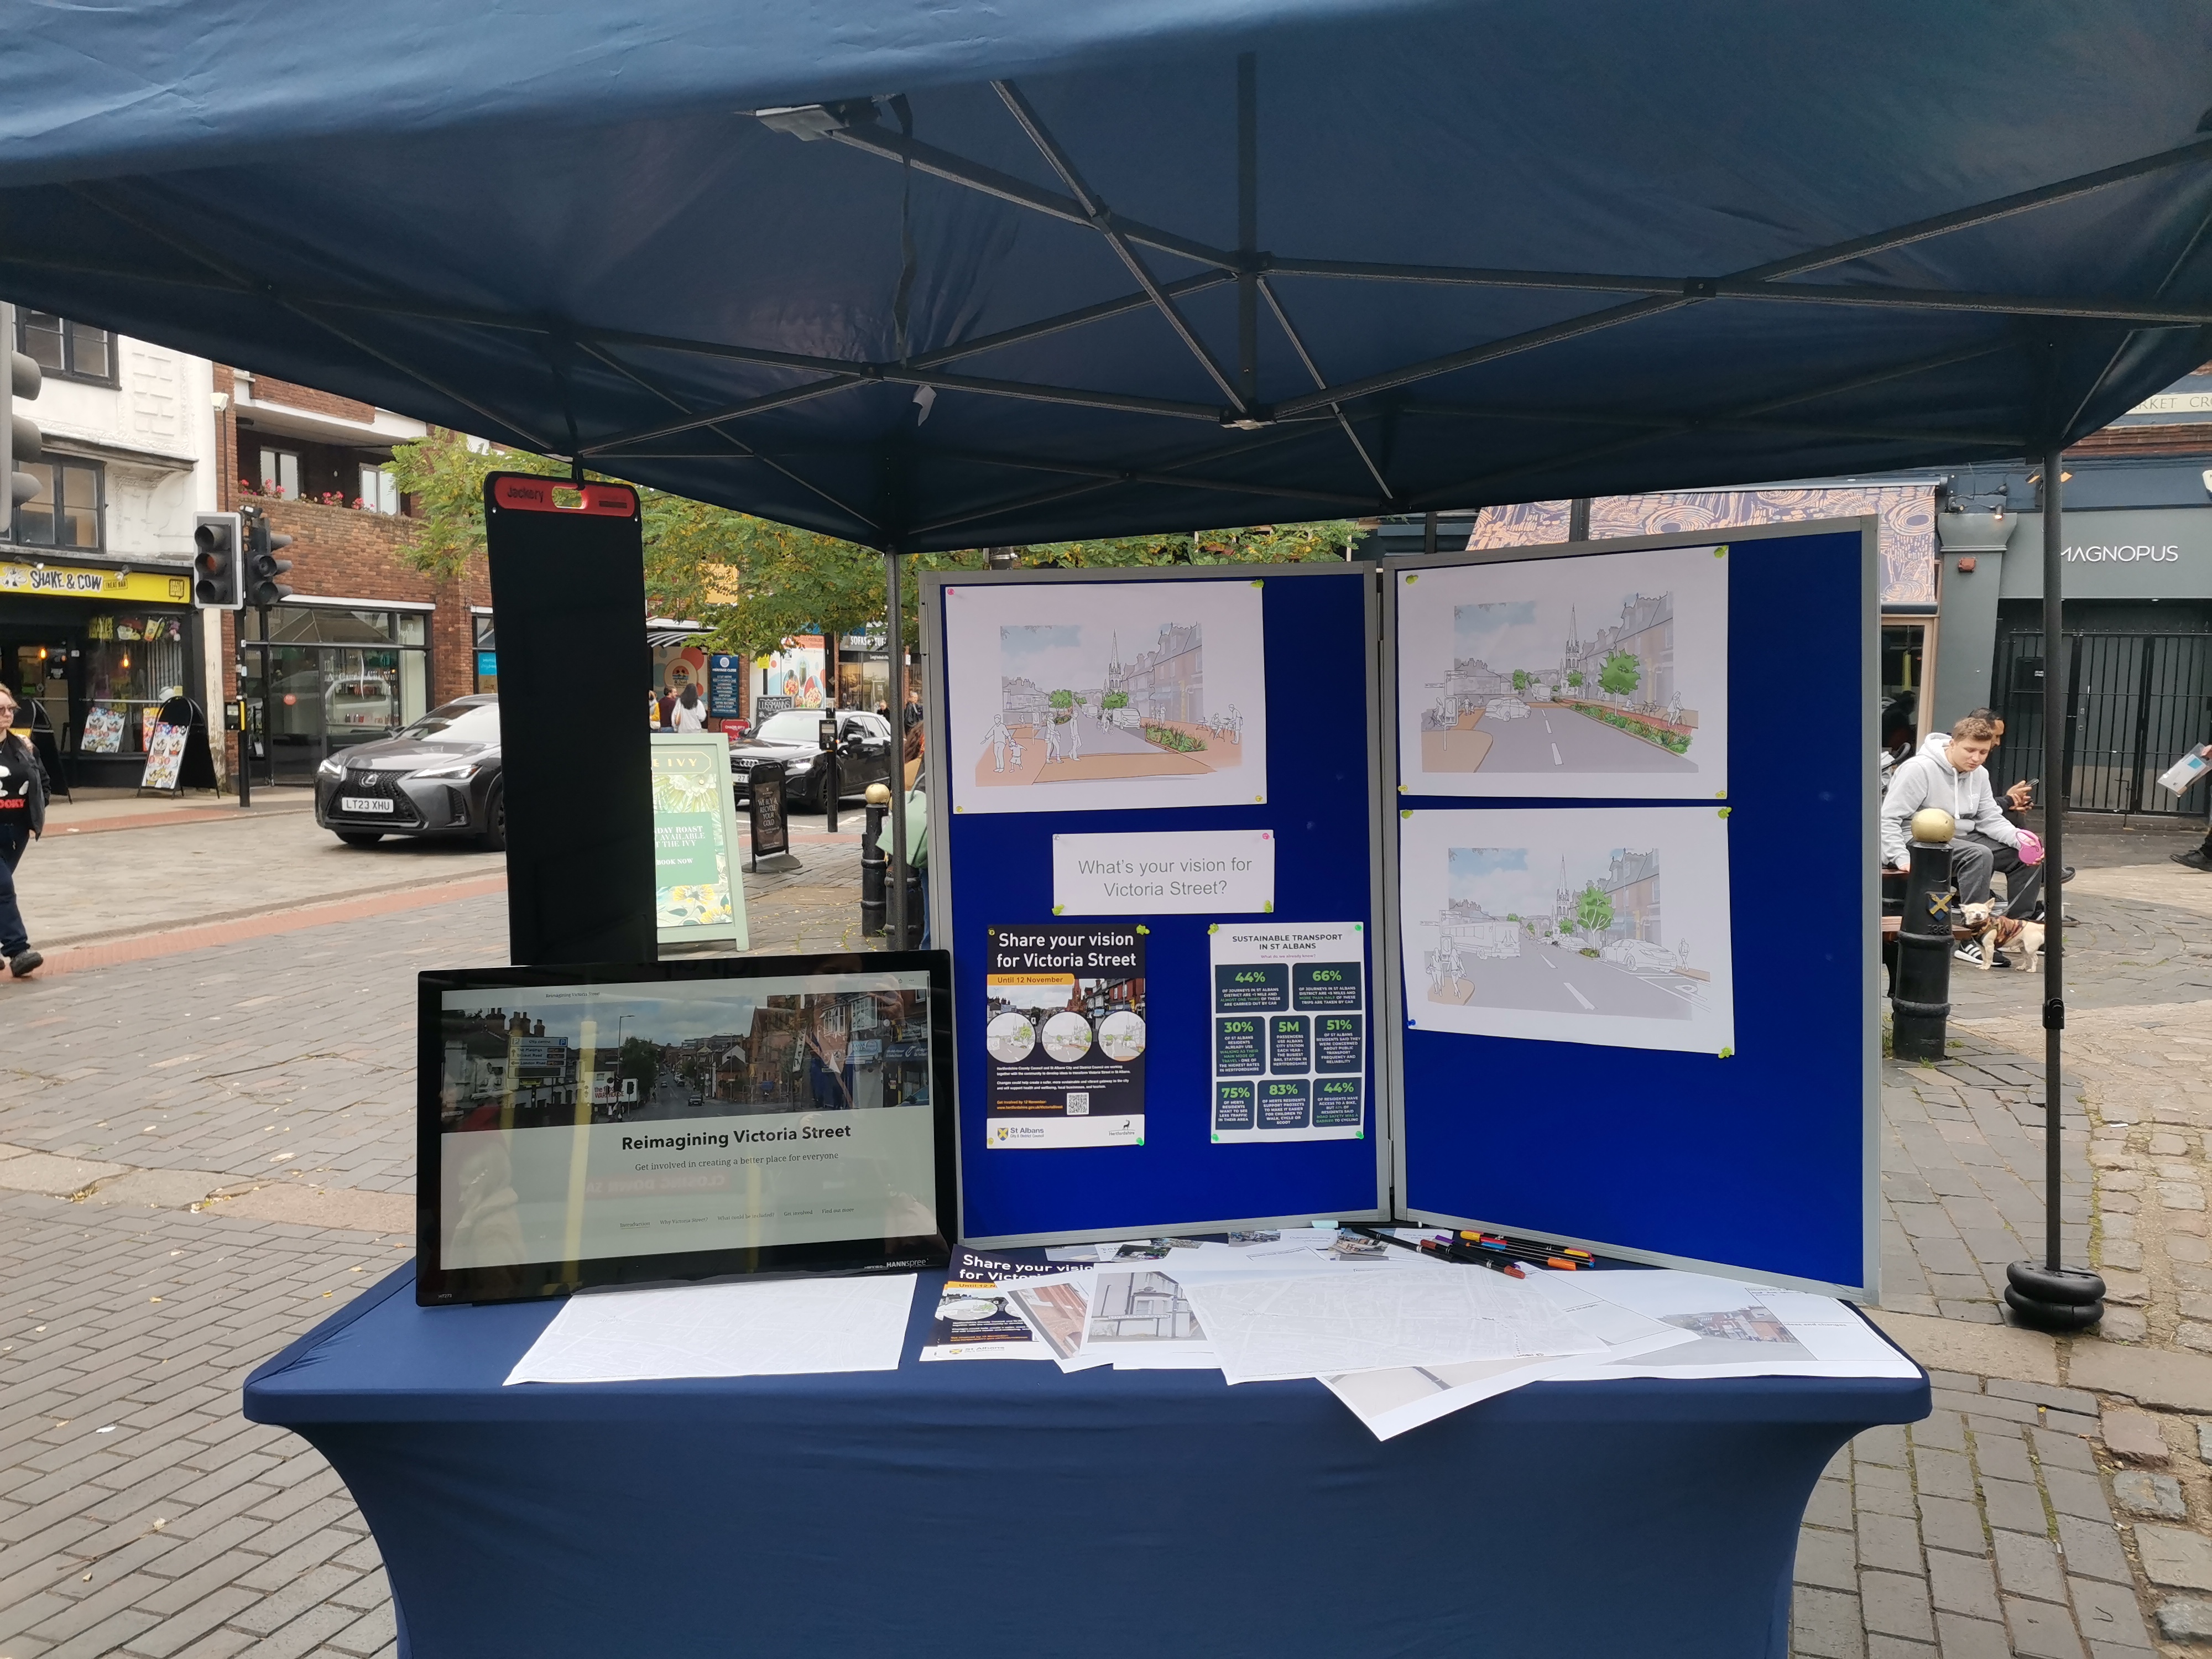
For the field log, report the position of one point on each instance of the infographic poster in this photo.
(1092, 696)
(1289, 1031)
(1603, 675)
(1570, 925)
(1064, 1036)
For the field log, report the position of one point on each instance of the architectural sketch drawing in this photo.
(1569, 924)
(1073, 705)
(1588, 939)
(1587, 676)
(1095, 696)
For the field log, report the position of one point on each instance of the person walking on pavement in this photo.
(22, 817)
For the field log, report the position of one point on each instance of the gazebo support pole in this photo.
(2048, 1294)
(895, 640)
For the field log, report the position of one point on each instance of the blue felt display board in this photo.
(1761, 1161)
(995, 869)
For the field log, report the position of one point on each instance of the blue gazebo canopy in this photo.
(933, 275)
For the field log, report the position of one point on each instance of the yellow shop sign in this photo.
(71, 582)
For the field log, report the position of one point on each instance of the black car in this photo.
(794, 737)
(437, 777)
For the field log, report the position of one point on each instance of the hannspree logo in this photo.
(2124, 554)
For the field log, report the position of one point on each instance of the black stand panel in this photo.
(568, 601)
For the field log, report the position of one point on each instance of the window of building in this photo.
(327, 677)
(75, 351)
(380, 491)
(66, 511)
(280, 473)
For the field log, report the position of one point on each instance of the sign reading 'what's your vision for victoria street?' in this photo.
(1064, 1043)
(1289, 1031)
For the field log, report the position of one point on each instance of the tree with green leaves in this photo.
(1620, 674)
(1574, 679)
(1520, 680)
(754, 582)
(1593, 910)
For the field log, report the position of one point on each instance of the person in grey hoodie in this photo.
(1951, 778)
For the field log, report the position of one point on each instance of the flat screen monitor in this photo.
(682, 1120)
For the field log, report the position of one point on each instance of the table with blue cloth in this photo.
(993, 1509)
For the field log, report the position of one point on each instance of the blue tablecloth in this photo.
(976, 1510)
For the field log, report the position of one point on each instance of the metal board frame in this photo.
(1869, 887)
(1382, 930)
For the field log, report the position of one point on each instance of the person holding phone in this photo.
(1953, 778)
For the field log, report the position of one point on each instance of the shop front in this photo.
(328, 675)
(2138, 643)
(91, 654)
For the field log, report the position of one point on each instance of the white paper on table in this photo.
(1141, 1320)
(760, 1328)
(1742, 1330)
(1268, 1328)
(1389, 1402)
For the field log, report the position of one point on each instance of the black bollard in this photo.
(1920, 1000)
(872, 862)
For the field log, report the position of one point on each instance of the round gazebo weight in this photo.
(1920, 1001)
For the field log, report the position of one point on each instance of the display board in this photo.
(1633, 891)
(1154, 839)
(699, 893)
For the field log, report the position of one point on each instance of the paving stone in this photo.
(1972, 1638)
(2093, 1547)
(1896, 1604)
(1825, 1625)
(1946, 1523)
(2141, 1492)
(2108, 1614)
(2015, 1506)
(2185, 1619)
(1889, 1541)
(2029, 1566)
(1962, 1584)
(1826, 1559)
(2173, 1557)
(2042, 1630)
(1942, 1474)
(2134, 1436)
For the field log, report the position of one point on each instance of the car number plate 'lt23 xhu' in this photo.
(362, 804)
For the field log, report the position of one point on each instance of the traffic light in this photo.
(263, 566)
(19, 439)
(218, 570)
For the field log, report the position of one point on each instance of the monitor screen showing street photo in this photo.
(682, 1121)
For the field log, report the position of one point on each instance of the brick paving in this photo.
(203, 1150)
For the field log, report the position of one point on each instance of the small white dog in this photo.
(2022, 941)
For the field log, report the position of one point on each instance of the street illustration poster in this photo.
(1289, 1031)
(103, 731)
(1594, 675)
(165, 756)
(1064, 1036)
(1091, 696)
(1599, 925)
(698, 890)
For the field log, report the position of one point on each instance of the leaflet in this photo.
(1290, 1020)
(973, 1320)
(1064, 1036)
(1058, 1309)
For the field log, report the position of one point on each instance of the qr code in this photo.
(1078, 1102)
